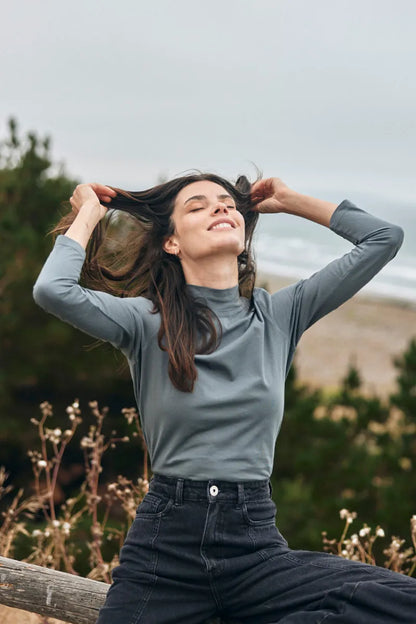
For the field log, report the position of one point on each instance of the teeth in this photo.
(222, 225)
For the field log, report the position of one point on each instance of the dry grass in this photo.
(52, 543)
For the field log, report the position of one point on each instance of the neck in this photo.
(212, 273)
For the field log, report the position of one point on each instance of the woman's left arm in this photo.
(375, 242)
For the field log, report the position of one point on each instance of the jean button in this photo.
(213, 490)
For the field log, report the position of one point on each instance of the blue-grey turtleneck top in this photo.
(227, 427)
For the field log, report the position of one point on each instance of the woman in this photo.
(209, 356)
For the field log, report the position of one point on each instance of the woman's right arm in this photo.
(57, 288)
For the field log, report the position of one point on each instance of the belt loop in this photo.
(270, 489)
(240, 488)
(179, 492)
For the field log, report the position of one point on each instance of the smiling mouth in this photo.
(222, 226)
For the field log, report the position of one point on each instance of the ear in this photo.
(171, 245)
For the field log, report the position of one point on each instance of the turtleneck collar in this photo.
(220, 300)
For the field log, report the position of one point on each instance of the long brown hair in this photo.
(125, 257)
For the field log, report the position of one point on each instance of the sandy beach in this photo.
(366, 331)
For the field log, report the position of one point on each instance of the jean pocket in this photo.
(260, 513)
(153, 506)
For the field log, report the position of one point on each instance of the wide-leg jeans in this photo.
(202, 549)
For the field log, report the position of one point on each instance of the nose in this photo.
(220, 207)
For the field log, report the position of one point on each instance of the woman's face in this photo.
(207, 223)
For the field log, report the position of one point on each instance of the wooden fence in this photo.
(48, 592)
(51, 593)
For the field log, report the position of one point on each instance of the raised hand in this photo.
(267, 195)
(91, 195)
(86, 204)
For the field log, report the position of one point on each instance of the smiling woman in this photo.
(174, 247)
(209, 355)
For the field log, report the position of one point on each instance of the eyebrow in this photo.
(201, 197)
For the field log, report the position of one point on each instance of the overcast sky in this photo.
(321, 93)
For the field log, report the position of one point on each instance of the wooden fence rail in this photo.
(51, 593)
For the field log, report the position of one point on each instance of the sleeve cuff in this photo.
(336, 217)
(65, 241)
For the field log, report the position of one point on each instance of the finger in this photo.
(258, 190)
(105, 195)
(257, 194)
(264, 206)
(255, 188)
(101, 188)
(258, 197)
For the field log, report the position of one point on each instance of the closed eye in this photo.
(201, 208)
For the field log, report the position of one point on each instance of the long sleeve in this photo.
(101, 315)
(376, 243)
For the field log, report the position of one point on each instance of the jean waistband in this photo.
(213, 490)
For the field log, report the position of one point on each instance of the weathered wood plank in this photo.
(49, 592)
(55, 594)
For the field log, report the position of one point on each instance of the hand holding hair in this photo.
(271, 195)
(268, 195)
(86, 204)
(93, 194)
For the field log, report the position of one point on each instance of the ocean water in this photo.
(293, 247)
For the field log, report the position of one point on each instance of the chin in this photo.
(227, 251)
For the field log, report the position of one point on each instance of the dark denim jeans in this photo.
(201, 549)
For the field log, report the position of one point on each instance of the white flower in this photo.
(380, 532)
(349, 516)
(66, 527)
(36, 533)
(365, 531)
(55, 523)
(42, 463)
